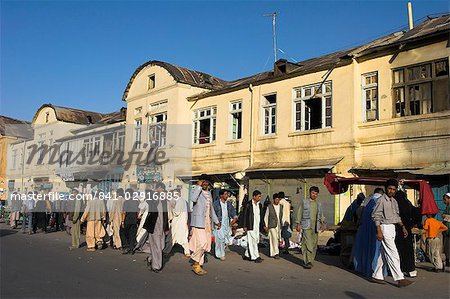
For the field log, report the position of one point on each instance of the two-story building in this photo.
(33, 162)
(93, 153)
(380, 109)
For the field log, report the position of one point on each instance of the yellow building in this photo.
(379, 109)
(34, 162)
(11, 130)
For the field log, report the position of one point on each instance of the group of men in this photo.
(36, 214)
(383, 240)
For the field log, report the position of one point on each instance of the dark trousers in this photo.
(128, 235)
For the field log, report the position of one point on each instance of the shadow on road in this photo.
(354, 295)
(7, 232)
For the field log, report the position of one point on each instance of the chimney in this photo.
(410, 16)
(280, 67)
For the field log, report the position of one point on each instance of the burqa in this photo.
(410, 216)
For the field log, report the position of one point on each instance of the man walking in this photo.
(178, 223)
(94, 214)
(129, 222)
(28, 207)
(310, 220)
(252, 220)
(76, 206)
(115, 217)
(225, 213)
(202, 218)
(272, 224)
(386, 215)
(157, 226)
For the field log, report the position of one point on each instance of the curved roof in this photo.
(71, 115)
(180, 75)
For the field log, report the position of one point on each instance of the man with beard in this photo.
(202, 218)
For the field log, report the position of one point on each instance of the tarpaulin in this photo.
(337, 185)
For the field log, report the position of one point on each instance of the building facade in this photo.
(381, 109)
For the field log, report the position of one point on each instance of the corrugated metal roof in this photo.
(181, 75)
(341, 58)
(72, 115)
(114, 117)
(15, 127)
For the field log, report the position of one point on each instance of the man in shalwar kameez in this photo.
(226, 213)
(178, 224)
(115, 217)
(94, 214)
(309, 221)
(272, 225)
(252, 221)
(157, 226)
(202, 217)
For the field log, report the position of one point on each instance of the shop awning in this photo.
(196, 173)
(336, 185)
(312, 164)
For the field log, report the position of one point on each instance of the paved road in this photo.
(41, 266)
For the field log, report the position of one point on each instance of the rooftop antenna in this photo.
(274, 24)
(410, 16)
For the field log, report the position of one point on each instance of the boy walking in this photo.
(432, 228)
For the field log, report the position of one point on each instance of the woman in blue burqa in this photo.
(366, 247)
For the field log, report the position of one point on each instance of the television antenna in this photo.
(274, 25)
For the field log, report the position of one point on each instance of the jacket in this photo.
(199, 209)
(152, 217)
(272, 217)
(218, 209)
(304, 215)
(248, 215)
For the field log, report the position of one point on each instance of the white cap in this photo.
(447, 194)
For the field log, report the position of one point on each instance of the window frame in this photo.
(197, 118)
(235, 135)
(137, 132)
(264, 107)
(364, 88)
(151, 82)
(407, 83)
(323, 95)
(153, 124)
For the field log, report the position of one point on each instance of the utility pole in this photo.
(274, 27)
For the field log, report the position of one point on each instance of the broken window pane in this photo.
(441, 68)
(399, 97)
(399, 76)
(420, 98)
(419, 72)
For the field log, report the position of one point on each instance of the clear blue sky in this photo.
(81, 54)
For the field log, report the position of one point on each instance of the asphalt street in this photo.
(43, 266)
